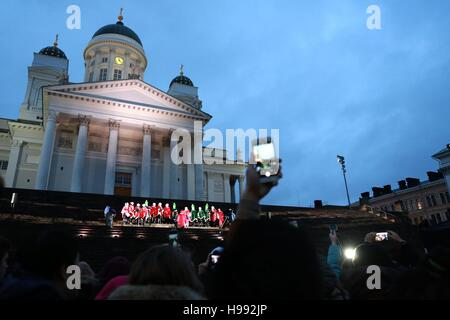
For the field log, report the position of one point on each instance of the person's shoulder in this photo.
(154, 292)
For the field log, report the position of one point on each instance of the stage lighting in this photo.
(349, 253)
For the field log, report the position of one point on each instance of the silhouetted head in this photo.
(266, 259)
(117, 266)
(367, 254)
(164, 265)
(51, 254)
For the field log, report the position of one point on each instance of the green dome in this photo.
(181, 79)
(118, 28)
(53, 51)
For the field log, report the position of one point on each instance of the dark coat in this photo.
(154, 292)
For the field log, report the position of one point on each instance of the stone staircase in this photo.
(84, 219)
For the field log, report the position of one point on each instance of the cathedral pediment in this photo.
(131, 92)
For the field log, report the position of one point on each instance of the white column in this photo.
(134, 184)
(210, 186)
(146, 161)
(166, 169)
(80, 155)
(126, 66)
(241, 186)
(198, 160)
(13, 161)
(226, 186)
(46, 152)
(233, 191)
(191, 186)
(96, 66)
(191, 182)
(110, 73)
(110, 175)
(173, 168)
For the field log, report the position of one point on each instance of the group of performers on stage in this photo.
(142, 214)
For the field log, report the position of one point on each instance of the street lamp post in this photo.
(341, 161)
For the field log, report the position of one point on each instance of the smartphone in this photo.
(214, 258)
(266, 161)
(381, 236)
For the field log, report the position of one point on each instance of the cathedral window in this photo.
(419, 204)
(433, 200)
(65, 140)
(123, 179)
(3, 165)
(102, 76)
(156, 152)
(95, 146)
(443, 200)
(117, 74)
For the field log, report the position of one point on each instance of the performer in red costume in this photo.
(143, 214)
(160, 212)
(125, 213)
(131, 210)
(138, 213)
(167, 213)
(182, 219)
(146, 214)
(221, 217)
(213, 217)
(154, 212)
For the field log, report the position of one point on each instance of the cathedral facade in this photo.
(110, 134)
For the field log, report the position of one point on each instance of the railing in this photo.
(383, 214)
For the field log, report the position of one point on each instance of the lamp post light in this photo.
(341, 161)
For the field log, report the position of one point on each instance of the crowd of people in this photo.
(144, 214)
(261, 259)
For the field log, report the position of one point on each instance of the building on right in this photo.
(443, 157)
(420, 200)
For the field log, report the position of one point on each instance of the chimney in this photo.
(317, 204)
(402, 185)
(433, 176)
(365, 195)
(412, 182)
(387, 189)
(377, 192)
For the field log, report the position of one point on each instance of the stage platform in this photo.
(82, 216)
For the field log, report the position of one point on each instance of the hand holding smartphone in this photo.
(266, 162)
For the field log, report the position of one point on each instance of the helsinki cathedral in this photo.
(111, 133)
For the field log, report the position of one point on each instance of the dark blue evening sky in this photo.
(310, 68)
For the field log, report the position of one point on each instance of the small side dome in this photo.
(53, 51)
(182, 79)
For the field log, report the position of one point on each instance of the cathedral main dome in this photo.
(115, 52)
(118, 28)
